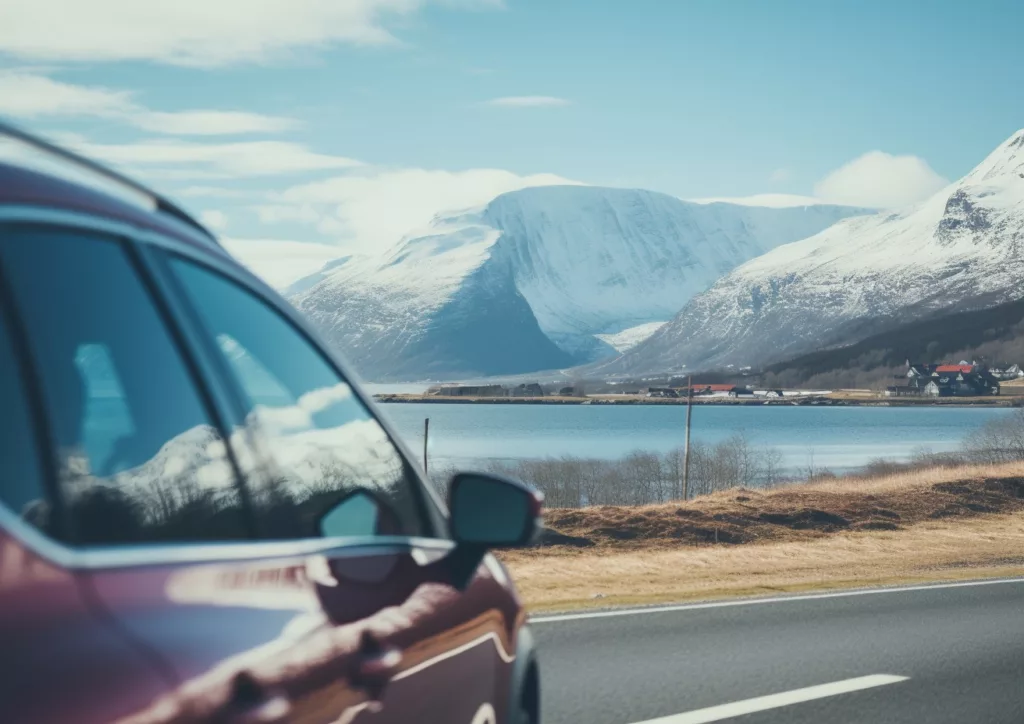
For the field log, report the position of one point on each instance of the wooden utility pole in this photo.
(426, 436)
(686, 450)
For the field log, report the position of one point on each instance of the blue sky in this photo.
(308, 124)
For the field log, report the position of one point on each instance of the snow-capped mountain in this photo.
(529, 281)
(959, 250)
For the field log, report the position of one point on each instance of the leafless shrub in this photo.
(998, 441)
(644, 477)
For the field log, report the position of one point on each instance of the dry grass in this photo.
(797, 512)
(913, 479)
(976, 548)
(927, 525)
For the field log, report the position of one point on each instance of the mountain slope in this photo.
(993, 336)
(526, 282)
(959, 250)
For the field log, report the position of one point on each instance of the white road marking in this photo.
(775, 701)
(757, 601)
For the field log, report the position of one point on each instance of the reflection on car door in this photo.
(353, 634)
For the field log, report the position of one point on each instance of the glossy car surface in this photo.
(202, 518)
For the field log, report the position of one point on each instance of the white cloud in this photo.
(281, 262)
(215, 219)
(528, 102)
(25, 94)
(210, 123)
(370, 211)
(880, 180)
(187, 159)
(29, 95)
(196, 32)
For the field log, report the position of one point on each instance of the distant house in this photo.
(661, 392)
(467, 391)
(528, 389)
(935, 388)
(943, 380)
(721, 390)
(1012, 372)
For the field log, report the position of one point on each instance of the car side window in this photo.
(335, 471)
(139, 460)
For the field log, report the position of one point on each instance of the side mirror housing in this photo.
(491, 511)
(488, 511)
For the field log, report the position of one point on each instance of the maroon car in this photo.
(202, 517)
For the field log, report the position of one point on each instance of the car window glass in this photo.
(138, 457)
(322, 442)
(21, 481)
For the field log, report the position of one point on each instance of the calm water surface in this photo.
(839, 438)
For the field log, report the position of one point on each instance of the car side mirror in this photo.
(493, 512)
(488, 511)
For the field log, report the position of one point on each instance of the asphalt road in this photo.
(948, 653)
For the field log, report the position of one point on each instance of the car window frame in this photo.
(12, 330)
(428, 506)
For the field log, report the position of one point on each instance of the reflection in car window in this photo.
(323, 443)
(138, 458)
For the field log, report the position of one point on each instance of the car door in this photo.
(325, 471)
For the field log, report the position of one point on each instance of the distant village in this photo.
(529, 389)
(535, 389)
(963, 379)
(951, 380)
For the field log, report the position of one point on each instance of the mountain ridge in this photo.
(959, 250)
(530, 279)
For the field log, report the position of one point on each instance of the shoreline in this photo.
(809, 401)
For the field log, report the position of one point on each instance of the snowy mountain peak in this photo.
(538, 278)
(961, 249)
(1006, 160)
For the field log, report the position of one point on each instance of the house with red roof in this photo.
(947, 379)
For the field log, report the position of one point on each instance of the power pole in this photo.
(426, 436)
(686, 450)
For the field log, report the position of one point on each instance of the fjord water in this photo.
(837, 438)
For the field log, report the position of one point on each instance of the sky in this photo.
(302, 130)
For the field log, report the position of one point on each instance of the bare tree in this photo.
(771, 467)
(998, 441)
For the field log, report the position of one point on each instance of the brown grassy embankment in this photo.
(937, 524)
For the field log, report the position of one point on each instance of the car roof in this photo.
(20, 186)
